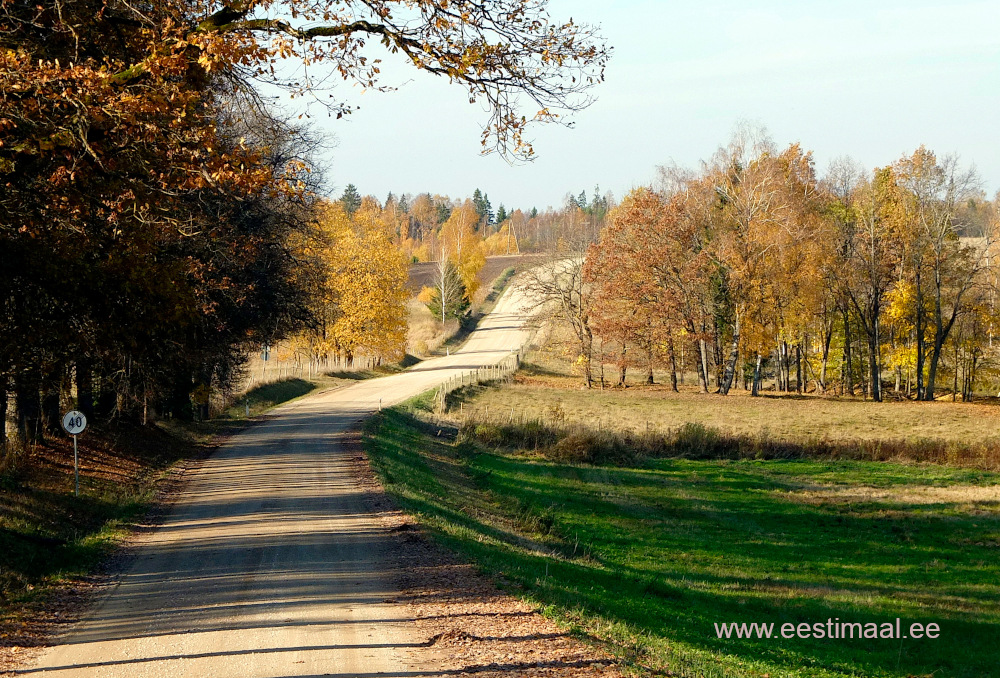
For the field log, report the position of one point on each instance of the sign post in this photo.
(74, 422)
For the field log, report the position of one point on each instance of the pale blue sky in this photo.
(873, 80)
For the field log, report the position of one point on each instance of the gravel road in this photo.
(271, 561)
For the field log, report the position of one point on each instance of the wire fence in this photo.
(502, 370)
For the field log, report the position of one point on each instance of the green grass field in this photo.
(648, 558)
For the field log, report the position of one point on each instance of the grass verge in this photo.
(649, 557)
(262, 398)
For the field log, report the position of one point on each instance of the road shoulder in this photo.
(471, 626)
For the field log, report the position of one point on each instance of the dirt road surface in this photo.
(273, 560)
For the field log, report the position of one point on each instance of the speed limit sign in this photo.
(74, 422)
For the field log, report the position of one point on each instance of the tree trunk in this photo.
(781, 384)
(954, 388)
(798, 368)
(865, 378)
(28, 404)
(622, 366)
(85, 387)
(734, 354)
(848, 368)
(942, 330)
(51, 416)
(827, 339)
(673, 365)
(703, 366)
(3, 410)
(717, 359)
(919, 324)
(876, 371)
(786, 364)
(601, 356)
(755, 389)
(785, 381)
(107, 397)
(180, 399)
(972, 378)
(936, 351)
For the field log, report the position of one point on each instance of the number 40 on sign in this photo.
(75, 422)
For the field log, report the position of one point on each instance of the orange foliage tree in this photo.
(649, 272)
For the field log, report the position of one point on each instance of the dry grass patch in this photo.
(800, 419)
(966, 496)
(426, 334)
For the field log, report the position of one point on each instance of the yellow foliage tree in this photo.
(900, 311)
(360, 295)
(462, 244)
(503, 242)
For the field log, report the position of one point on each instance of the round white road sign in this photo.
(74, 422)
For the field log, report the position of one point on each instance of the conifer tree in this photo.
(351, 199)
